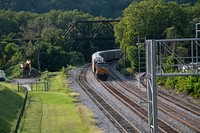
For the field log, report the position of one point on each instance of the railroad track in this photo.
(187, 106)
(118, 119)
(193, 124)
(136, 108)
(181, 103)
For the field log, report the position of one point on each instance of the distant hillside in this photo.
(105, 8)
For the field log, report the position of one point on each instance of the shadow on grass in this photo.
(10, 104)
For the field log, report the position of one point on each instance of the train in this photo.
(2, 75)
(99, 62)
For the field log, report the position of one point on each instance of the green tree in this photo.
(76, 58)
(148, 19)
(196, 9)
(11, 54)
(189, 85)
(7, 22)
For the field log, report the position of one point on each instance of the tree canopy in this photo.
(105, 8)
(32, 30)
(150, 19)
(38, 37)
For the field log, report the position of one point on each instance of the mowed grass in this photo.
(10, 105)
(55, 111)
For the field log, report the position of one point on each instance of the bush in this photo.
(14, 72)
(64, 71)
(189, 85)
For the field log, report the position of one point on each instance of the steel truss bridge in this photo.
(91, 30)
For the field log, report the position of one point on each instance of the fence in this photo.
(34, 86)
(25, 88)
(21, 113)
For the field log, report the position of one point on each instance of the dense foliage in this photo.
(148, 19)
(37, 34)
(38, 37)
(106, 8)
(152, 19)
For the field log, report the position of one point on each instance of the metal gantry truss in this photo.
(157, 54)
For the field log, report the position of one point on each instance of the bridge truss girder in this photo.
(91, 30)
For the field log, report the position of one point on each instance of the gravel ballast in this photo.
(102, 121)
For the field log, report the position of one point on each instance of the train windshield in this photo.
(102, 64)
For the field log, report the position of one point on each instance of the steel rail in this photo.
(191, 123)
(135, 107)
(121, 122)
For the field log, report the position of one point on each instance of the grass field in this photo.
(55, 111)
(10, 105)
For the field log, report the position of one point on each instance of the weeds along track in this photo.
(121, 122)
(176, 114)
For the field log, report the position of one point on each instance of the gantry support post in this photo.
(151, 86)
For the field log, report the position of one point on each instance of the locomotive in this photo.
(99, 65)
